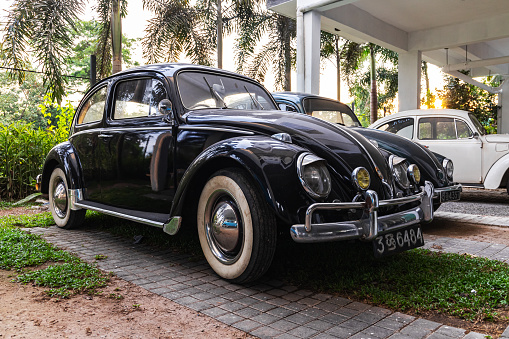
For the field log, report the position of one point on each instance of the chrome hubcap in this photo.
(60, 198)
(223, 227)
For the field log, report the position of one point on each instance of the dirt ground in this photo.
(26, 312)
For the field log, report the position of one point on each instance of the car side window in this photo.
(437, 129)
(138, 98)
(287, 107)
(403, 127)
(464, 132)
(93, 109)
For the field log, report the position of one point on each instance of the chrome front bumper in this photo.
(438, 190)
(371, 225)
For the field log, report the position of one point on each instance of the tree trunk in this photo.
(288, 56)
(116, 37)
(219, 35)
(338, 69)
(373, 94)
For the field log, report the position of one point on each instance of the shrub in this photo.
(23, 149)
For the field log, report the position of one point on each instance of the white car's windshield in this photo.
(201, 90)
(480, 128)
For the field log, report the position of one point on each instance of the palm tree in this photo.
(355, 54)
(330, 46)
(277, 52)
(39, 29)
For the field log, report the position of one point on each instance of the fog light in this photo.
(360, 176)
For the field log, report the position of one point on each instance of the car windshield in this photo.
(331, 111)
(201, 90)
(480, 128)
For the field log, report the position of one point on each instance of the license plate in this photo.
(449, 196)
(398, 241)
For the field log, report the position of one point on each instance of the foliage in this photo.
(177, 26)
(24, 147)
(387, 78)
(29, 220)
(86, 40)
(68, 278)
(39, 29)
(21, 102)
(277, 54)
(19, 250)
(457, 94)
(60, 129)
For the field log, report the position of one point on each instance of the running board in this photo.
(148, 218)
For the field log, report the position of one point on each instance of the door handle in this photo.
(105, 136)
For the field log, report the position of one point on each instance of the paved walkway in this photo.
(267, 309)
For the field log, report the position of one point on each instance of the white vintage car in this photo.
(479, 159)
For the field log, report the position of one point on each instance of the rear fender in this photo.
(498, 173)
(269, 162)
(63, 155)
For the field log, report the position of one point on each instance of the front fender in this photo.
(269, 162)
(63, 155)
(497, 173)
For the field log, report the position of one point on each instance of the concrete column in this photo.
(503, 112)
(409, 80)
(312, 26)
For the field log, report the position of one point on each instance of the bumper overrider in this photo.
(371, 225)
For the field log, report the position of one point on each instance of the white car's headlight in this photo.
(400, 170)
(314, 175)
(449, 168)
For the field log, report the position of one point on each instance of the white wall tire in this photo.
(237, 230)
(59, 202)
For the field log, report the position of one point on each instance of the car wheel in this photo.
(59, 203)
(236, 228)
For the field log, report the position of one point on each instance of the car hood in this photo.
(428, 164)
(344, 149)
(497, 138)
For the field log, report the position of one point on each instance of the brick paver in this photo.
(266, 309)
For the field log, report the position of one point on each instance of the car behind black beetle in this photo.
(434, 167)
(173, 145)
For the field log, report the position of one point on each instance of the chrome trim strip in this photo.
(185, 128)
(369, 227)
(121, 215)
(220, 129)
(74, 195)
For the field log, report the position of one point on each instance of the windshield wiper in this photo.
(256, 102)
(214, 93)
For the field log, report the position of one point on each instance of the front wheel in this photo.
(237, 230)
(59, 202)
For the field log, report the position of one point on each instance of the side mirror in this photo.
(165, 108)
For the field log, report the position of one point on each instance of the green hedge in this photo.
(23, 149)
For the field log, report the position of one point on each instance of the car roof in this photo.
(422, 112)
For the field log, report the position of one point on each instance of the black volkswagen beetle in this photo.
(434, 167)
(174, 145)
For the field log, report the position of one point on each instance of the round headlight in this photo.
(314, 175)
(360, 176)
(449, 168)
(399, 169)
(414, 173)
